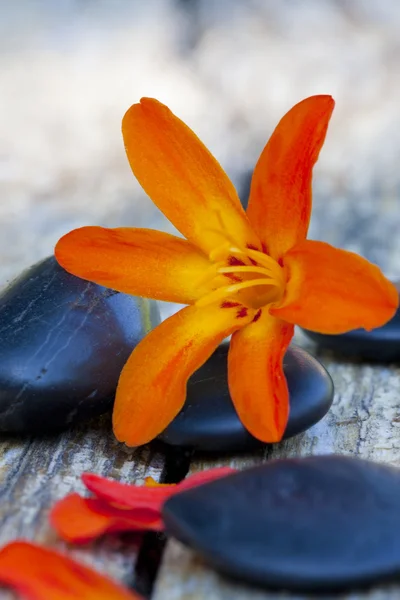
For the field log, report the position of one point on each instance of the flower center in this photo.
(255, 278)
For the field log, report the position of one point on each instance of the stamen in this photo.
(223, 292)
(222, 253)
(213, 271)
(262, 259)
(262, 270)
(231, 260)
(246, 284)
(258, 256)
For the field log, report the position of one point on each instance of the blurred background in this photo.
(69, 69)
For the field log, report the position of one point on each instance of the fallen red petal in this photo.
(204, 477)
(80, 520)
(119, 507)
(126, 496)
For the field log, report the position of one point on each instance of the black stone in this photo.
(63, 343)
(244, 188)
(208, 421)
(310, 524)
(381, 344)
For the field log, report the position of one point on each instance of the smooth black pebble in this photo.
(316, 523)
(381, 344)
(209, 422)
(63, 344)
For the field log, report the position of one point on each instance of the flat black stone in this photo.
(381, 344)
(209, 422)
(63, 344)
(310, 524)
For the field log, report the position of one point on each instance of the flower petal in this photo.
(119, 507)
(128, 496)
(333, 291)
(152, 387)
(38, 573)
(142, 262)
(280, 197)
(203, 477)
(151, 497)
(256, 380)
(182, 178)
(79, 520)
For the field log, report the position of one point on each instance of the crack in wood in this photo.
(176, 467)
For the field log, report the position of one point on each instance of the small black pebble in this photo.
(208, 421)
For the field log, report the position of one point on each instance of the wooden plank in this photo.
(34, 473)
(184, 576)
(364, 421)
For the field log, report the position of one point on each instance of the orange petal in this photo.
(38, 573)
(256, 380)
(334, 291)
(280, 197)
(152, 387)
(75, 520)
(204, 477)
(182, 178)
(79, 520)
(128, 496)
(119, 507)
(142, 262)
(152, 497)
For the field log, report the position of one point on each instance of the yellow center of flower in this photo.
(255, 278)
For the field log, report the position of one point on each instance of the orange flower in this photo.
(119, 507)
(38, 573)
(253, 276)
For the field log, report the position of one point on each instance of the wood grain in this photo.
(34, 473)
(184, 576)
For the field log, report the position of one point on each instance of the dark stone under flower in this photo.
(63, 344)
(208, 421)
(311, 524)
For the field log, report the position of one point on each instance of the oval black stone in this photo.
(381, 344)
(316, 523)
(209, 422)
(63, 344)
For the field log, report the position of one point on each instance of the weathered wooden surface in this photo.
(364, 421)
(185, 577)
(35, 473)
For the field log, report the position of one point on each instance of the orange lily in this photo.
(253, 276)
(118, 507)
(39, 573)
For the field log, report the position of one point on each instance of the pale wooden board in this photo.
(364, 421)
(184, 576)
(35, 473)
